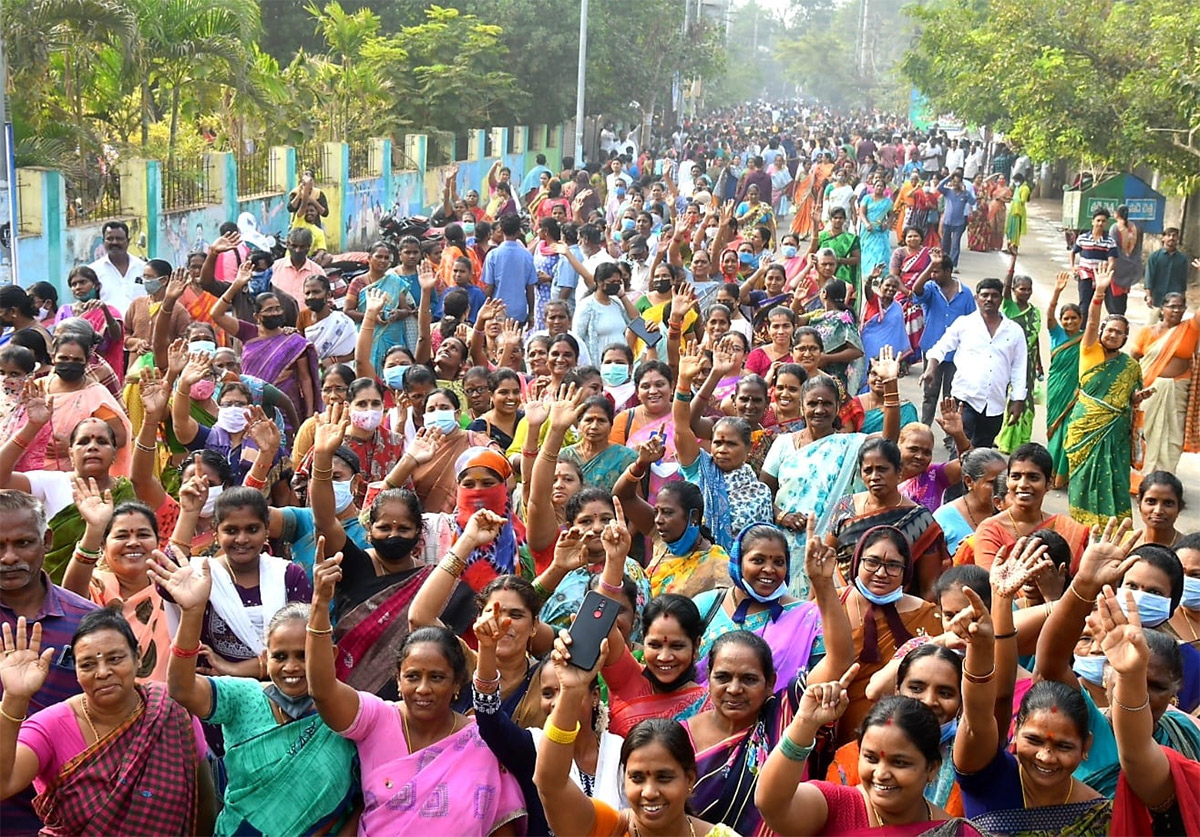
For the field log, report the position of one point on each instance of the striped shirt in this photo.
(1092, 253)
(59, 616)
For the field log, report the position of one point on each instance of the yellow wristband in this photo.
(560, 736)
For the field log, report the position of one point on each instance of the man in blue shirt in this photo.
(508, 272)
(944, 300)
(954, 219)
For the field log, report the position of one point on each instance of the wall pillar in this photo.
(416, 149)
(222, 181)
(476, 145)
(282, 170)
(336, 174)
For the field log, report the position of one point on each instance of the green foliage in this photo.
(1092, 82)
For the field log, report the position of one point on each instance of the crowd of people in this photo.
(281, 554)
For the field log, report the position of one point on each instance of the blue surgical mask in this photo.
(789, 251)
(949, 730)
(206, 346)
(886, 599)
(684, 545)
(1153, 608)
(1191, 593)
(343, 496)
(393, 376)
(1090, 669)
(628, 224)
(746, 258)
(468, 230)
(620, 191)
(614, 374)
(443, 420)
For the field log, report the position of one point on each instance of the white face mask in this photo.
(232, 419)
(214, 491)
(366, 419)
(343, 496)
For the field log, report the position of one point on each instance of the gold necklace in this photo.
(1017, 527)
(638, 832)
(87, 716)
(408, 734)
(873, 813)
(1025, 795)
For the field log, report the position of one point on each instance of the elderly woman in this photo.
(1165, 351)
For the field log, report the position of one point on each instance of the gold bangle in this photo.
(24, 717)
(979, 678)
(1080, 596)
(1131, 708)
(560, 736)
(452, 564)
(321, 473)
(318, 631)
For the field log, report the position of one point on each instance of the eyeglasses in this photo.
(475, 390)
(334, 390)
(891, 568)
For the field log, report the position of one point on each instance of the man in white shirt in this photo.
(617, 175)
(990, 360)
(120, 274)
(591, 247)
(974, 162)
(955, 157)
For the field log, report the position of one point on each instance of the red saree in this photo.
(139, 779)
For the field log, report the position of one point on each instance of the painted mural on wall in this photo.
(363, 207)
(181, 233)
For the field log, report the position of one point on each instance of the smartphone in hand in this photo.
(595, 618)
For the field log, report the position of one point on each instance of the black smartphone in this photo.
(643, 331)
(593, 621)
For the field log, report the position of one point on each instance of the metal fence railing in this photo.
(254, 172)
(360, 159)
(94, 197)
(314, 156)
(186, 182)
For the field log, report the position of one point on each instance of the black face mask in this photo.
(70, 370)
(612, 288)
(663, 287)
(316, 305)
(395, 548)
(272, 322)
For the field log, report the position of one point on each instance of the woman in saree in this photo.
(807, 195)
(780, 327)
(899, 737)
(121, 757)
(1000, 196)
(846, 247)
(910, 263)
(802, 636)
(960, 517)
(664, 684)
(880, 465)
(1062, 379)
(786, 415)
(379, 582)
(285, 360)
(387, 316)
(104, 318)
(652, 417)
(871, 404)
(842, 351)
(125, 537)
(501, 412)
(419, 745)
(274, 739)
(1018, 307)
(600, 460)
(1018, 216)
(93, 449)
(808, 470)
(1099, 433)
(904, 205)
(1166, 352)
(883, 323)
(752, 212)
(925, 214)
(979, 233)
(922, 480)
(733, 496)
(875, 228)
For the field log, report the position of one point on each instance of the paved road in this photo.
(1043, 254)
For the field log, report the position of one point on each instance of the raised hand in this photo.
(651, 450)
(1120, 636)
(177, 357)
(887, 366)
(490, 309)
(24, 666)
(567, 407)
(1106, 559)
(198, 367)
(974, 622)
(536, 413)
(331, 428)
(682, 301)
(511, 335)
(327, 573)
(243, 276)
(94, 506)
(39, 408)
(820, 559)
(226, 242)
(876, 272)
(377, 300)
(153, 390)
(491, 625)
(483, 527)
(425, 444)
(426, 278)
(691, 358)
(569, 552)
(193, 494)
(616, 537)
(262, 430)
(189, 585)
(950, 419)
(824, 703)
(1061, 279)
(1016, 566)
(1104, 277)
(178, 283)
(572, 678)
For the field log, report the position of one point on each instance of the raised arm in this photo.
(563, 412)
(687, 447)
(950, 420)
(190, 585)
(337, 703)
(327, 438)
(160, 327)
(788, 804)
(427, 280)
(38, 413)
(186, 428)
(377, 300)
(481, 529)
(23, 670)
(143, 464)
(1143, 762)
(978, 737)
(935, 256)
(220, 311)
(1091, 331)
(820, 561)
(1060, 283)
(641, 513)
(1105, 561)
(888, 369)
(96, 509)
(1011, 570)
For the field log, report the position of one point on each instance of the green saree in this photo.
(1012, 436)
(68, 528)
(1099, 436)
(1062, 385)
